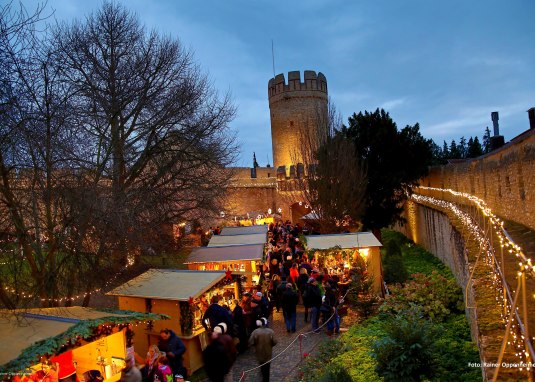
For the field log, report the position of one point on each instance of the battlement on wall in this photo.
(312, 82)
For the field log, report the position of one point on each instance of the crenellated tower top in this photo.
(312, 82)
(296, 108)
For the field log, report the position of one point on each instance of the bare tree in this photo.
(334, 180)
(157, 132)
(110, 134)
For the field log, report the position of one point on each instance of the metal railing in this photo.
(488, 230)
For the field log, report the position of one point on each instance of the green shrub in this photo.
(336, 373)
(314, 367)
(406, 352)
(435, 295)
(454, 350)
(394, 270)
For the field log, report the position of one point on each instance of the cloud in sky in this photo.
(446, 65)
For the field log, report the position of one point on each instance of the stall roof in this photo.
(169, 284)
(231, 231)
(219, 240)
(20, 329)
(226, 253)
(344, 240)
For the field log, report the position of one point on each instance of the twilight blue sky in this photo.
(444, 64)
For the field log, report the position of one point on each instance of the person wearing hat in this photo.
(260, 305)
(312, 299)
(220, 355)
(263, 339)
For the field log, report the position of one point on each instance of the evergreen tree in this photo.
(394, 270)
(474, 148)
(462, 148)
(396, 160)
(454, 150)
(486, 141)
(445, 151)
(438, 155)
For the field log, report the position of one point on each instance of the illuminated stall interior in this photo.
(242, 260)
(333, 247)
(78, 339)
(183, 295)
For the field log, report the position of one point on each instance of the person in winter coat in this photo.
(238, 319)
(216, 314)
(294, 273)
(290, 298)
(263, 340)
(220, 355)
(302, 281)
(273, 294)
(163, 372)
(174, 349)
(313, 300)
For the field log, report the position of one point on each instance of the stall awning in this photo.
(251, 252)
(30, 333)
(254, 229)
(344, 241)
(169, 284)
(219, 240)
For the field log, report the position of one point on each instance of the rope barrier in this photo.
(299, 336)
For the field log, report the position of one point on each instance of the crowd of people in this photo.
(294, 278)
(290, 279)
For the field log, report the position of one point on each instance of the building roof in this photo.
(226, 253)
(254, 229)
(20, 329)
(310, 216)
(169, 284)
(344, 241)
(219, 240)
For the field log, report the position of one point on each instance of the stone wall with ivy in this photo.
(443, 234)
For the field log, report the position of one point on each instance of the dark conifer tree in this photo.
(486, 141)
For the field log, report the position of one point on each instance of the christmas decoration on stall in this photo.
(187, 317)
(87, 330)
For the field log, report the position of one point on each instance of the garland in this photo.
(186, 318)
(87, 330)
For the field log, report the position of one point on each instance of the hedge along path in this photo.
(299, 338)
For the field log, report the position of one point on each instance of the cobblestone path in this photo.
(285, 367)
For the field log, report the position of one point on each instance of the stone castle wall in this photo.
(504, 179)
(248, 194)
(295, 108)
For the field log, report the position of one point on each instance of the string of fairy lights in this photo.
(130, 260)
(517, 330)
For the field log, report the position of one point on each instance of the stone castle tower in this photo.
(296, 108)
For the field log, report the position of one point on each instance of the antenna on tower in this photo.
(273, 57)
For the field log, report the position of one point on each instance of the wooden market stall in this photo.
(363, 244)
(242, 260)
(79, 339)
(222, 240)
(183, 295)
(254, 229)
